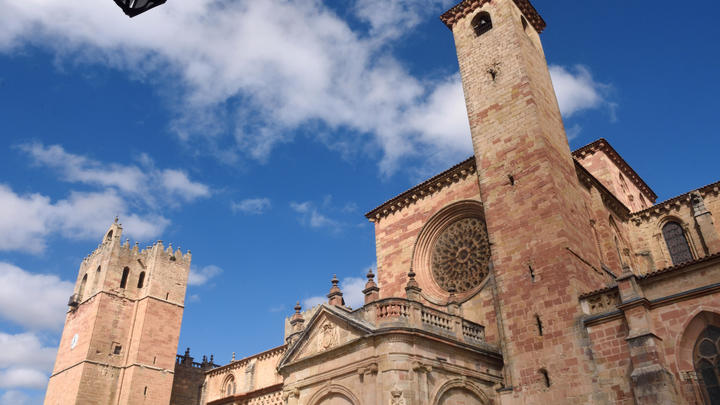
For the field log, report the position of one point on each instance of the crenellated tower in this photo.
(536, 219)
(122, 327)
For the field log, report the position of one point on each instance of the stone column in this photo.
(704, 224)
(652, 383)
(423, 392)
(368, 378)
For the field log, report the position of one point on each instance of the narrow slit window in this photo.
(545, 377)
(124, 279)
(141, 280)
(539, 324)
(81, 291)
(532, 273)
(481, 23)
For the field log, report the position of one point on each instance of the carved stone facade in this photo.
(527, 274)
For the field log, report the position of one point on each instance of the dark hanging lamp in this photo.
(135, 7)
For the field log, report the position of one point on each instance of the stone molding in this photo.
(463, 383)
(329, 389)
(608, 198)
(668, 206)
(462, 9)
(429, 187)
(243, 362)
(602, 145)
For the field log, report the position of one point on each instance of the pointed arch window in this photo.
(677, 243)
(706, 358)
(141, 280)
(229, 386)
(123, 280)
(81, 291)
(481, 23)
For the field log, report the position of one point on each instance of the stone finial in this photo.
(412, 289)
(187, 352)
(233, 357)
(335, 297)
(117, 219)
(371, 290)
(212, 358)
(297, 319)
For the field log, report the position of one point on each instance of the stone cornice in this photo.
(603, 145)
(668, 205)
(242, 362)
(682, 266)
(424, 189)
(462, 9)
(608, 197)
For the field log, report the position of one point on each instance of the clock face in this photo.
(74, 341)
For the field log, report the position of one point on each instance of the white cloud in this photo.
(35, 301)
(246, 74)
(177, 183)
(310, 216)
(577, 90)
(573, 132)
(203, 275)
(26, 221)
(352, 288)
(145, 183)
(393, 18)
(252, 206)
(23, 378)
(27, 351)
(314, 301)
(24, 361)
(13, 397)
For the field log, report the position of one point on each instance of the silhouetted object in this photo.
(135, 7)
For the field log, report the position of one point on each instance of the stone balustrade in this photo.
(404, 313)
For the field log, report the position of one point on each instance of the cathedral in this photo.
(526, 274)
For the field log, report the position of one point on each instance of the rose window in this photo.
(461, 255)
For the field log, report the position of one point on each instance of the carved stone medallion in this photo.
(328, 337)
(461, 255)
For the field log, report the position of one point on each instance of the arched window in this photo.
(123, 280)
(706, 359)
(109, 235)
(481, 23)
(229, 386)
(81, 290)
(96, 279)
(623, 184)
(141, 280)
(677, 243)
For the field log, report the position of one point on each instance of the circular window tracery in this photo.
(461, 255)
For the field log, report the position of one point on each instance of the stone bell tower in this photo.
(122, 327)
(535, 214)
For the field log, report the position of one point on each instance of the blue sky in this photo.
(257, 134)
